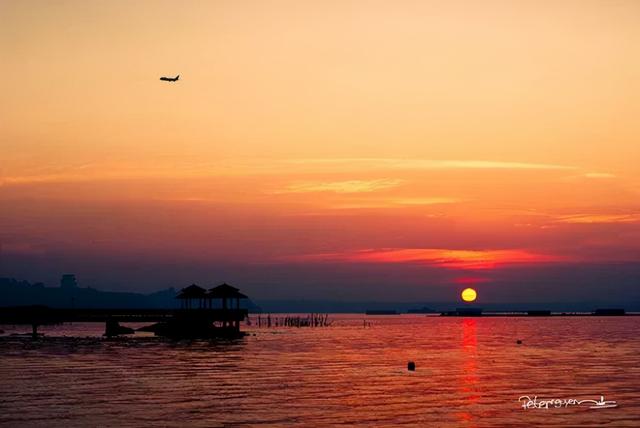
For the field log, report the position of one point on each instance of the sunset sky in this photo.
(345, 150)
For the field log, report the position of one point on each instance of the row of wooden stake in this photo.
(311, 320)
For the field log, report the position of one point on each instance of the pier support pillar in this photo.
(34, 331)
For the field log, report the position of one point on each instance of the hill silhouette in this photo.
(15, 292)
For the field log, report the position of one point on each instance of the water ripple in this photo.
(470, 373)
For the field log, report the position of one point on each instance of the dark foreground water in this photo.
(470, 372)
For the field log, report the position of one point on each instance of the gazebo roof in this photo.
(192, 292)
(225, 291)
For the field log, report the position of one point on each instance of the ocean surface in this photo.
(470, 372)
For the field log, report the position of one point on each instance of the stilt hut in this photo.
(230, 297)
(192, 297)
(200, 318)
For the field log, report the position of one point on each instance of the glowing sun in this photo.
(469, 294)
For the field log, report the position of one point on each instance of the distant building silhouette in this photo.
(68, 282)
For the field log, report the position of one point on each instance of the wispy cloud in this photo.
(599, 218)
(194, 169)
(418, 164)
(599, 175)
(424, 201)
(446, 258)
(393, 203)
(349, 186)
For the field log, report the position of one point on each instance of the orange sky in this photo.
(433, 137)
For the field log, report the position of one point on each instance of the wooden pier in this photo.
(203, 314)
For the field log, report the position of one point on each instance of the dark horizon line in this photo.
(316, 304)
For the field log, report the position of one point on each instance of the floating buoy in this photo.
(411, 366)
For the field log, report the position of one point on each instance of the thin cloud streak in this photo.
(599, 218)
(394, 203)
(249, 167)
(599, 175)
(438, 257)
(427, 164)
(349, 186)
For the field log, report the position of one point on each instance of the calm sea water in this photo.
(470, 372)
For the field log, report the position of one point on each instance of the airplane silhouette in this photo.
(170, 79)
